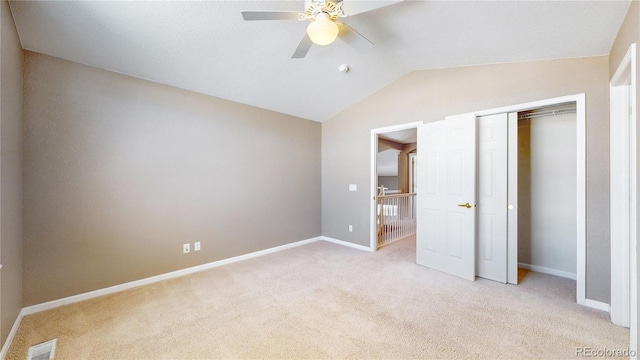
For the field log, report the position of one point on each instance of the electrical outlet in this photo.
(196, 246)
(186, 248)
(350, 228)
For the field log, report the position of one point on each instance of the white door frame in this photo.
(624, 163)
(373, 230)
(581, 191)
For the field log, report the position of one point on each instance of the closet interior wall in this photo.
(547, 167)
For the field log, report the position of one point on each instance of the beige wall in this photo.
(120, 172)
(105, 154)
(433, 94)
(629, 33)
(10, 173)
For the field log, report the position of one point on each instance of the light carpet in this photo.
(324, 300)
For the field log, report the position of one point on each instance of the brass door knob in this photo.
(467, 205)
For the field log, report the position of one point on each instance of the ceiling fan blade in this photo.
(303, 47)
(353, 38)
(354, 7)
(270, 15)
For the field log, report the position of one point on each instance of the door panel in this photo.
(492, 197)
(455, 222)
(446, 177)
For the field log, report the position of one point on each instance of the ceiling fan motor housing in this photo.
(315, 7)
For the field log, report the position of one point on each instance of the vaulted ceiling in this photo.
(205, 46)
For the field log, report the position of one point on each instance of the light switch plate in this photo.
(353, 187)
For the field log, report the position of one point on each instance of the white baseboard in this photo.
(345, 243)
(12, 334)
(150, 280)
(597, 305)
(546, 270)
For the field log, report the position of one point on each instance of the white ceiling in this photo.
(205, 46)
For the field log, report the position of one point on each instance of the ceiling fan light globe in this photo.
(322, 31)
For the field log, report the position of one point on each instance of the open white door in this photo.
(446, 216)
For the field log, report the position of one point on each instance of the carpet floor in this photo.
(324, 300)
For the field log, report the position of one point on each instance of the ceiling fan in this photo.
(324, 27)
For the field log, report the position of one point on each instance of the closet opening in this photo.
(468, 222)
(546, 191)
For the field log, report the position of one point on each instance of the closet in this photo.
(547, 191)
(508, 182)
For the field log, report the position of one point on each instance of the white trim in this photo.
(150, 280)
(346, 243)
(531, 105)
(621, 139)
(373, 230)
(633, 241)
(624, 198)
(546, 270)
(597, 305)
(512, 198)
(581, 200)
(12, 334)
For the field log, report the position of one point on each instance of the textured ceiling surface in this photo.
(205, 46)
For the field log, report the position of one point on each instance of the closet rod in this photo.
(544, 113)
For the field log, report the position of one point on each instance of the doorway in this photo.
(399, 139)
(526, 190)
(448, 216)
(624, 198)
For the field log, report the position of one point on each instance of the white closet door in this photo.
(446, 200)
(492, 198)
(512, 199)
